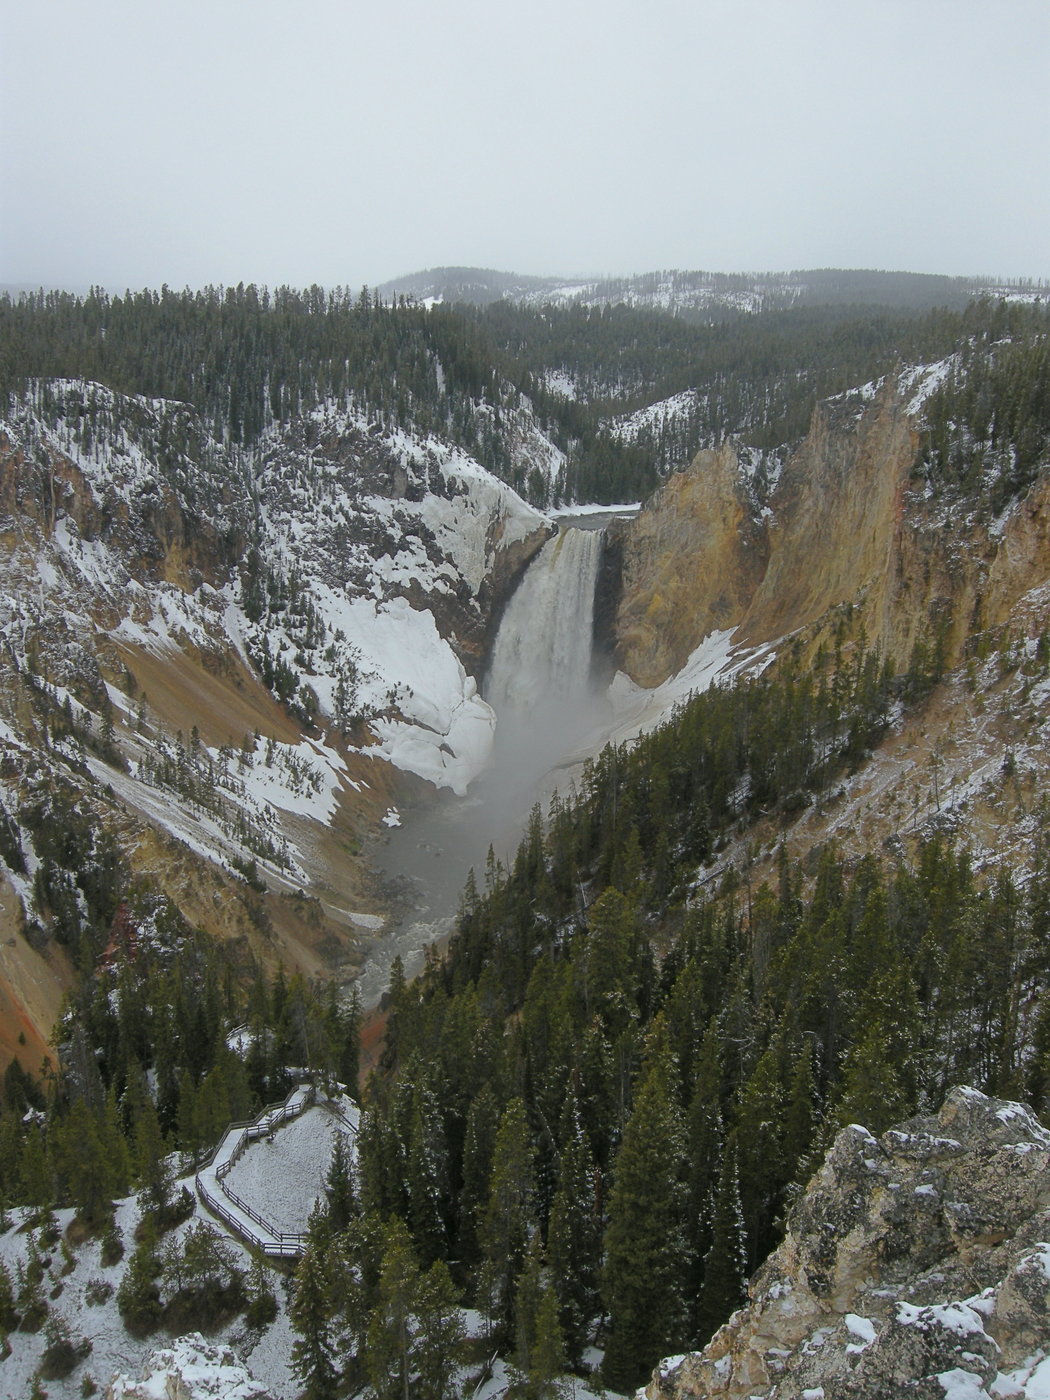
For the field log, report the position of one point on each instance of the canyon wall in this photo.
(850, 530)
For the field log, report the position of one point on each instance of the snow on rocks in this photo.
(190, 1369)
(872, 1292)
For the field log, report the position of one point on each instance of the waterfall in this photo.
(541, 662)
(538, 684)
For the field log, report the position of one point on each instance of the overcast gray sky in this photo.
(334, 141)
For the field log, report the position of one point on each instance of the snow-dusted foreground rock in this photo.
(915, 1264)
(190, 1369)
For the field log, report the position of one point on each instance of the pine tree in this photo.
(526, 1305)
(440, 1335)
(35, 1172)
(725, 1267)
(90, 1166)
(262, 1301)
(646, 1254)
(478, 1145)
(8, 1311)
(152, 1167)
(311, 1309)
(507, 1222)
(389, 1340)
(30, 1298)
(138, 1296)
(189, 1129)
(760, 1133)
(573, 1235)
(548, 1352)
(872, 1091)
(706, 1139)
(339, 1186)
(427, 1173)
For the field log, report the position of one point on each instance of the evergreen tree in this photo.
(725, 1267)
(706, 1140)
(646, 1254)
(339, 1186)
(35, 1171)
(311, 1311)
(8, 1311)
(427, 1173)
(508, 1219)
(152, 1167)
(390, 1328)
(478, 1146)
(138, 1296)
(440, 1334)
(526, 1305)
(573, 1235)
(549, 1360)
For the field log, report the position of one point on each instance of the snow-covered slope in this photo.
(239, 655)
(280, 1178)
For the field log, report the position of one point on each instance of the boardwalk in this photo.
(242, 1211)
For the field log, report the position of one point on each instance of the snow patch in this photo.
(715, 659)
(862, 1328)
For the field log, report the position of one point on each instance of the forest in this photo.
(246, 359)
(595, 1109)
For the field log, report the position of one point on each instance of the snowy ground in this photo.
(283, 1177)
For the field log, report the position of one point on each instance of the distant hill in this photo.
(708, 294)
(476, 285)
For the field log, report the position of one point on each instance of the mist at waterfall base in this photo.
(549, 714)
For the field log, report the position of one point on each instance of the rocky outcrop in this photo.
(190, 1369)
(915, 1264)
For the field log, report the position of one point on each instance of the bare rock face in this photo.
(837, 516)
(691, 562)
(914, 1265)
(850, 526)
(698, 557)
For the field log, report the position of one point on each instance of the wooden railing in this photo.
(277, 1243)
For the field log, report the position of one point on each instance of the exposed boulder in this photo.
(190, 1369)
(915, 1264)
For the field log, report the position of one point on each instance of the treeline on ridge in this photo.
(246, 358)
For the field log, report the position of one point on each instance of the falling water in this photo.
(541, 662)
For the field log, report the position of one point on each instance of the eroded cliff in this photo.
(851, 528)
(692, 561)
